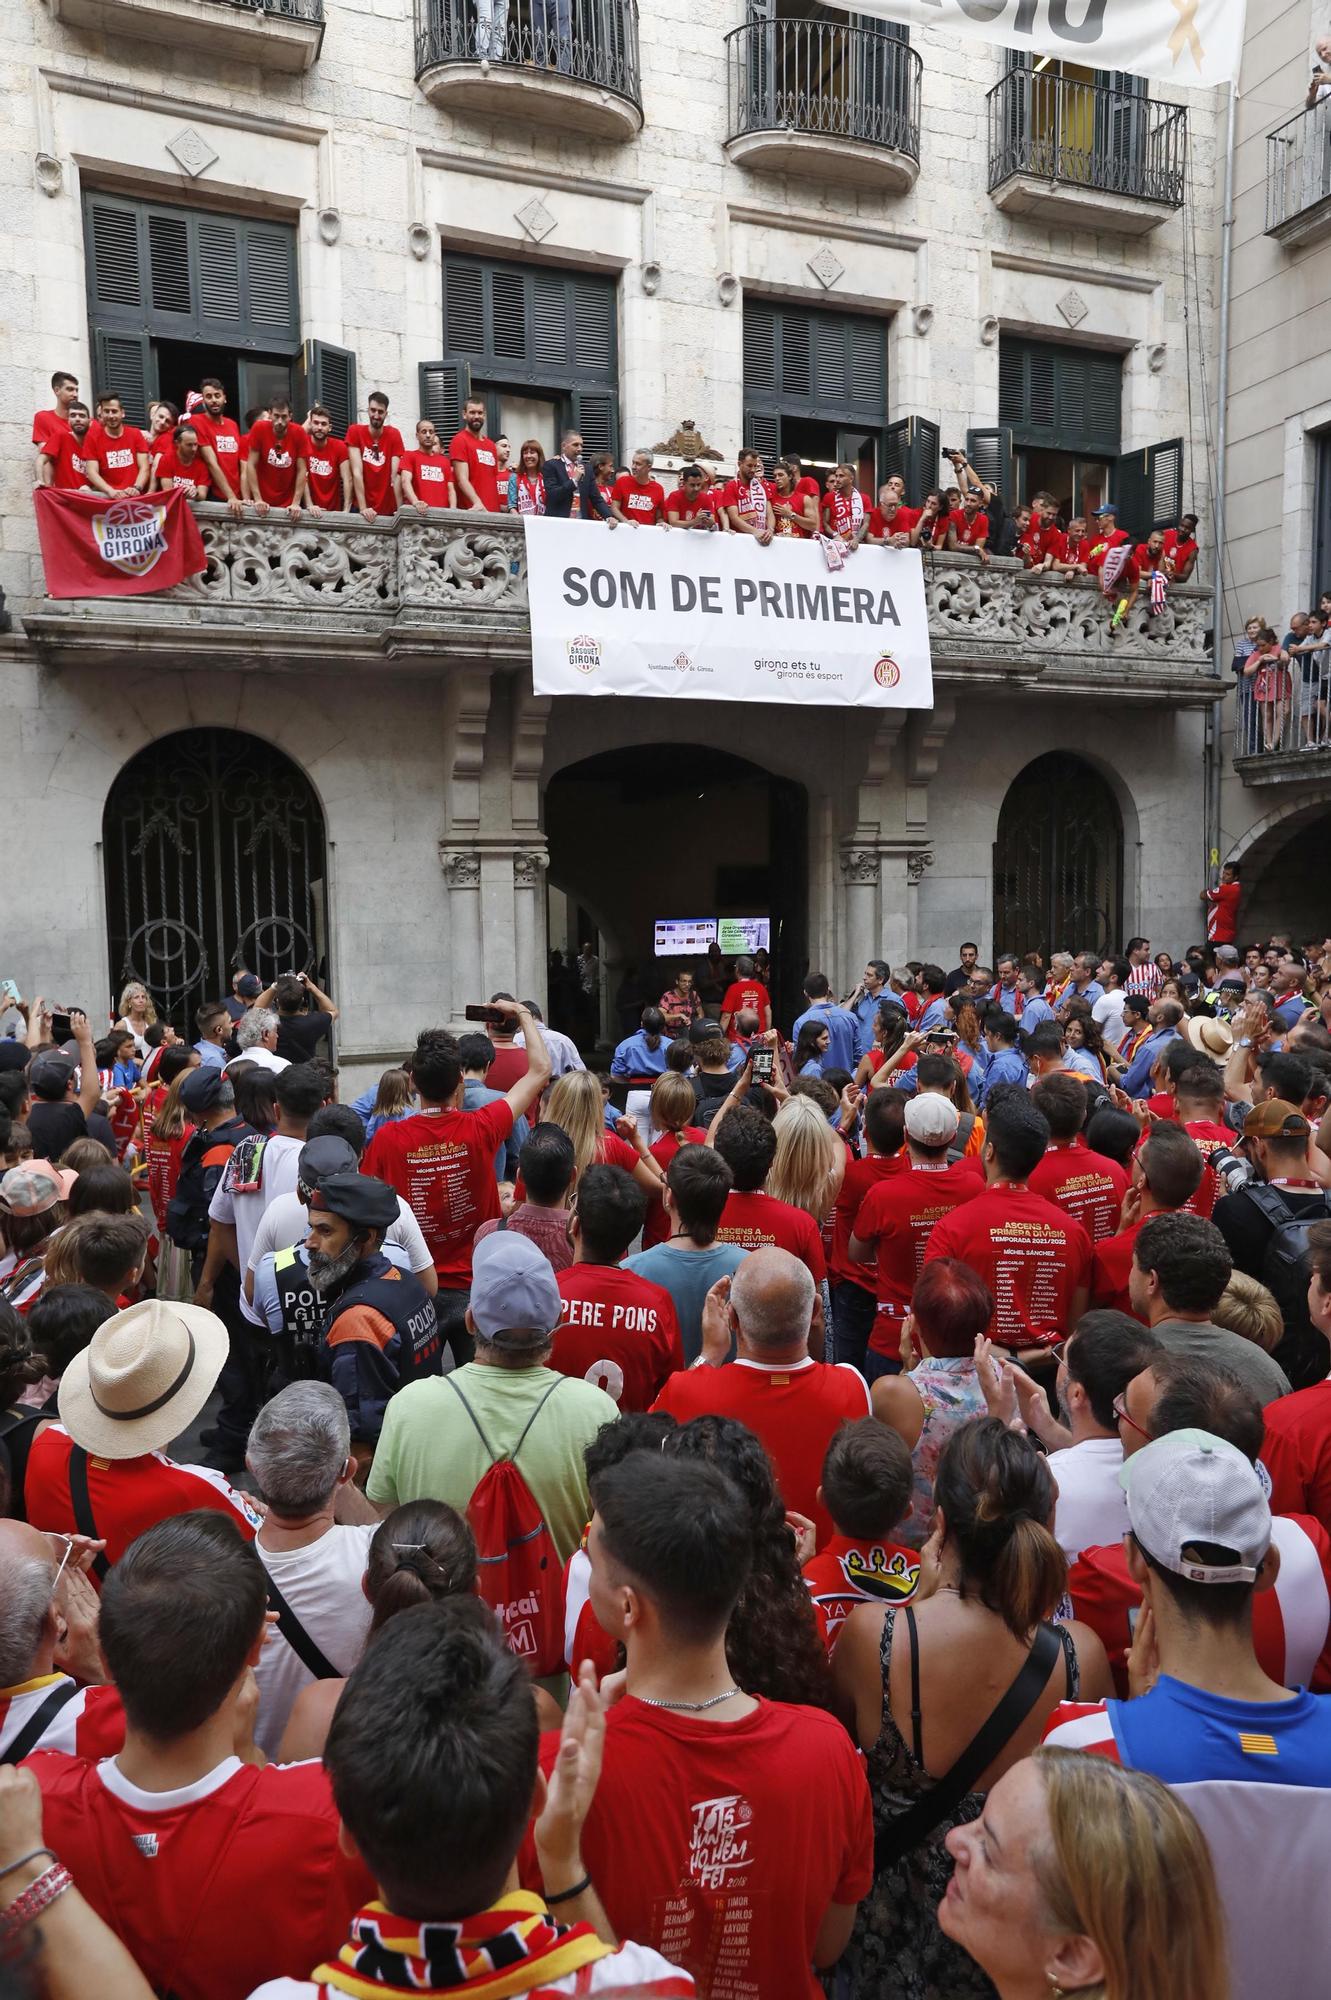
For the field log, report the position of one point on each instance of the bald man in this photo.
(795, 1404)
(49, 1622)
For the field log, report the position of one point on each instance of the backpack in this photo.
(1285, 1273)
(519, 1573)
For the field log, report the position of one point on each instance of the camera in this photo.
(953, 451)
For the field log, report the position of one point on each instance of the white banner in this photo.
(670, 612)
(1177, 41)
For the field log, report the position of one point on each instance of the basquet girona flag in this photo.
(93, 546)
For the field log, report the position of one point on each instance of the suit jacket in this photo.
(559, 491)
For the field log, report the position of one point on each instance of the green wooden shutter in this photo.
(1148, 487)
(444, 388)
(184, 274)
(270, 310)
(762, 430)
(596, 414)
(990, 454)
(123, 366)
(117, 274)
(1065, 398)
(327, 375)
(913, 450)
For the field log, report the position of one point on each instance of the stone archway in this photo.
(1058, 860)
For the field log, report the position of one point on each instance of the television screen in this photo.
(684, 937)
(737, 935)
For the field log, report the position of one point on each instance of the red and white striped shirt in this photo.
(1147, 979)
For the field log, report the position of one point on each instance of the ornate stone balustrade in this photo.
(424, 593)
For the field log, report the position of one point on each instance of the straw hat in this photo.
(1209, 1037)
(143, 1378)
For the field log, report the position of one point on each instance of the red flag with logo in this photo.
(96, 546)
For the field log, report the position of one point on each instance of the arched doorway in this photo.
(214, 857)
(1285, 862)
(1058, 860)
(677, 830)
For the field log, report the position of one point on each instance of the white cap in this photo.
(1189, 1487)
(931, 1120)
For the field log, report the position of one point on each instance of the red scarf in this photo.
(515, 1947)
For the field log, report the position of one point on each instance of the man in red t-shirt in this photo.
(800, 518)
(1222, 906)
(62, 458)
(117, 454)
(1297, 1450)
(178, 463)
(1108, 536)
(1166, 1172)
(1086, 1185)
(886, 529)
(745, 994)
(49, 425)
(638, 498)
(618, 1331)
(215, 1873)
(1180, 549)
(898, 1218)
(328, 487)
(426, 473)
(732, 1833)
(792, 1402)
(1035, 1260)
(751, 1219)
(278, 457)
(747, 499)
(475, 461)
(845, 512)
(968, 526)
(102, 1470)
(1044, 545)
(375, 452)
(219, 441)
(442, 1160)
(853, 1284)
(693, 504)
(1079, 545)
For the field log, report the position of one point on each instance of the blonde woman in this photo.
(137, 1015)
(674, 1109)
(1081, 1878)
(575, 1103)
(807, 1170)
(394, 1099)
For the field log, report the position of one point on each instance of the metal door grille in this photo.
(213, 846)
(1058, 861)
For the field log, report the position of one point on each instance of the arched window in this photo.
(213, 850)
(1058, 860)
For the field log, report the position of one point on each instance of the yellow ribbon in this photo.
(1185, 35)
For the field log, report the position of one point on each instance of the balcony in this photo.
(1084, 155)
(1287, 740)
(826, 101)
(572, 64)
(276, 34)
(424, 595)
(1298, 177)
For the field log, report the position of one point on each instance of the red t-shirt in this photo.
(1297, 1452)
(1101, 544)
(326, 462)
(900, 1215)
(48, 426)
(431, 476)
(443, 1165)
(1110, 1266)
(127, 1495)
(756, 1220)
(1180, 552)
(376, 459)
(657, 1226)
(1037, 543)
(695, 1850)
(740, 494)
(796, 1411)
(1086, 1185)
(797, 499)
(931, 533)
(618, 1331)
(69, 458)
(221, 435)
(213, 1890)
(1222, 913)
(278, 459)
(742, 994)
(679, 507)
(90, 1724)
(969, 530)
(164, 1157)
(907, 519)
(879, 529)
(1032, 1256)
(584, 1638)
(860, 1177)
(117, 457)
(850, 1572)
(838, 513)
(645, 503)
(477, 457)
(194, 480)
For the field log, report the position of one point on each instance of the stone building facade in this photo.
(951, 250)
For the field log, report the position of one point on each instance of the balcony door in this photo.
(816, 69)
(1076, 124)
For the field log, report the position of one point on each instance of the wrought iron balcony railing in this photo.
(1086, 136)
(1298, 173)
(287, 10)
(1282, 719)
(582, 41)
(824, 79)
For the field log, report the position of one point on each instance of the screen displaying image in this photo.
(744, 934)
(684, 937)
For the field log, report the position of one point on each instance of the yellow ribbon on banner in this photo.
(1185, 35)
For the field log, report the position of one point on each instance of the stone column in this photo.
(462, 880)
(529, 940)
(860, 924)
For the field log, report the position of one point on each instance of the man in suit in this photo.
(570, 489)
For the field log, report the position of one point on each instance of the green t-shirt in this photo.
(429, 1449)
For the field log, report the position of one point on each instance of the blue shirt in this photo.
(1008, 1066)
(1185, 1735)
(1083, 1062)
(634, 1057)
(1008, 999)
(124, 1075)
(1137, 1082)
(208, 1052)
(936, 1015)
(1036, 1010)
(1291, 1011)
(844, 1047)
(474, 1095)
(865, 1011)
(688, 1276)
(1093, 992)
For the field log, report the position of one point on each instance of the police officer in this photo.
(211, 1103)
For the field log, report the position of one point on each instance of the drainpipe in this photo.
(1216, 715)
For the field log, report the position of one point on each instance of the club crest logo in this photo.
(584, 653)
(130, 535)
(886, 671)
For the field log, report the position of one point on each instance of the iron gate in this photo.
(213, 849)
(1058, 861)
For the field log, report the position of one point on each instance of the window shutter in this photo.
(464, 307)
(1132, 494)
(1066, 398)
(508, 315)
(169, 263)
(759, 349)
(444, 387)
(762, 430)
(1041, 389)
(218, 243)
(550, 307)
(116, 276)
(123, 366)
(829, 344)
(270, 297)
(1011, 383)
(866, 364)
(1104, 400)
(796, 355)
(596, 415)
(913, 450)
(990, 454)
(593, 324)
(1164, 468)
(328, 375)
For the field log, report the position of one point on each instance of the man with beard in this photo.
(343, 1310)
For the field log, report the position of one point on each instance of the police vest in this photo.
(404, 1303)
(303, 1310)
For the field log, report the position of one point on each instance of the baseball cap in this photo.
(360, 1200)
(248, 987)
(1108, 508)
(13, 1055)
(515, 1301)
(1190, 1487)
(200, 1088)
(49, 1073)
(1276, 1119)
(1226, 954)
(321, 1158)
(930, 1119)
(34, 1187)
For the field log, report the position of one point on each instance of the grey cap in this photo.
(1189, 1487)
(321, 1158)
(48, 1070)
(515, 1301)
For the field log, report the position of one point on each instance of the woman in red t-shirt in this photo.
(674, 1107)
(603, 472)
(890, 1028)
(576, 1103)
(530, 485)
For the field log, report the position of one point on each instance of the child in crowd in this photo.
(866, 1488)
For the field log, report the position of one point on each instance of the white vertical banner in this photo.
(673, 614)
(1196, 42)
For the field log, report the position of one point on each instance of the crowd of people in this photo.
(834, 1505)
(1284, 684)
